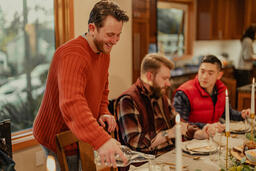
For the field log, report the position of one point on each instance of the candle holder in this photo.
(252, 116)
(227, 136)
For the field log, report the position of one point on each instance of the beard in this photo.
(158, 91)
(100, 45)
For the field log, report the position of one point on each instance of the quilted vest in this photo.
(202, 108)
(144, 106)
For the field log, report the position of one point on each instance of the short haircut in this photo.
(213, 60)
(105, 8)
(153, 61)
(250, 32)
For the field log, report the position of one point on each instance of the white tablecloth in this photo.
(211, 162)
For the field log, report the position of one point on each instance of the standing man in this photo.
(76, 95)
(201, 101)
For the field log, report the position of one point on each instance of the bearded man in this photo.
(145, 117)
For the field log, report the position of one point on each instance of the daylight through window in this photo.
(27, 44)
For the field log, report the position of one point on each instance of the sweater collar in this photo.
(87, 44)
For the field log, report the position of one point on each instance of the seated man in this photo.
(145, 118)
(202, 100)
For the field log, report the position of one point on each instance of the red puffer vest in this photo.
(202, 108)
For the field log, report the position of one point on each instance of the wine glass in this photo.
(213, 144)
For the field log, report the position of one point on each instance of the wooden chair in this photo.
(86, 153)
(5, 137)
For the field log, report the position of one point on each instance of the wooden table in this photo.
(205, 163)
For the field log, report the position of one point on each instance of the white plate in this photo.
(199, 147)
(239, 127)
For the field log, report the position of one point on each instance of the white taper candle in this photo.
(178, 144)
(227, 112)
(252, 97)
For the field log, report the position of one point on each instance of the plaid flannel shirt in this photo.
(131, 129)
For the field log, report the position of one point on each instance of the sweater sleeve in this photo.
(104, 101)
(74, 107)
(248, 53)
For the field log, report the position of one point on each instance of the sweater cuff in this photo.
(100, 140)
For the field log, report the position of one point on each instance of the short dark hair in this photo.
(153, 61)
(104, 8)
(211, 59)
(250, 32)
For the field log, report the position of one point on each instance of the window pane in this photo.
(26, 47)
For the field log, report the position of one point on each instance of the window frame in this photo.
(64, 31)
(191, 27)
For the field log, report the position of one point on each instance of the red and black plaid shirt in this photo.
(131, 129)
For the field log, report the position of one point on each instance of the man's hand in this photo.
(159, 138)
(245, 113)
(109, 150)
(201, 134)
(184, 128)
(110, 120)
(211, 129)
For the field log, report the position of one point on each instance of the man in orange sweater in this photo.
(76, 95)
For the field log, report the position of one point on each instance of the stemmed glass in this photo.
(215, 141)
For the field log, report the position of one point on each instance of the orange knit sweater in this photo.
(76, 95)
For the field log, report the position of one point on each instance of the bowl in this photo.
(251, 155)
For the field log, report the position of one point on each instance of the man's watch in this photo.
(165, 134)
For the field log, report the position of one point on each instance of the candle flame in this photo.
(226, 92)
(50, 163)
(177, 119)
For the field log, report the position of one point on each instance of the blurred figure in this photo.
(246, 58)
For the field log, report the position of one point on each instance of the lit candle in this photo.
(50, 163)
(178, 144)
(227, 112)
(252, 97)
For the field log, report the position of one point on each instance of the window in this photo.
(26, 46)
(176, 28)
(29, 32)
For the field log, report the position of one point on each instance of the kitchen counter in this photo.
(246, 88)
(193, 69)
(244, 97)
(183, 71)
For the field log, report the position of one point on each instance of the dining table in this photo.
(210, 162)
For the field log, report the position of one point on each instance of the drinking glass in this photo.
(213, 143)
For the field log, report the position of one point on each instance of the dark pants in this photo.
(243, 77)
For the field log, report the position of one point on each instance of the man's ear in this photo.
(91, 27)
(149, 76)
(220, 75)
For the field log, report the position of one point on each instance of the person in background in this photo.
(201, 101)
(246, 58)
(145, 117)
(76, 95)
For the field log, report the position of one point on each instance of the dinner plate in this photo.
(194, 146)
(239, 127)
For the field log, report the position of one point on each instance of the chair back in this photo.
(5, 137)
(85, 151)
